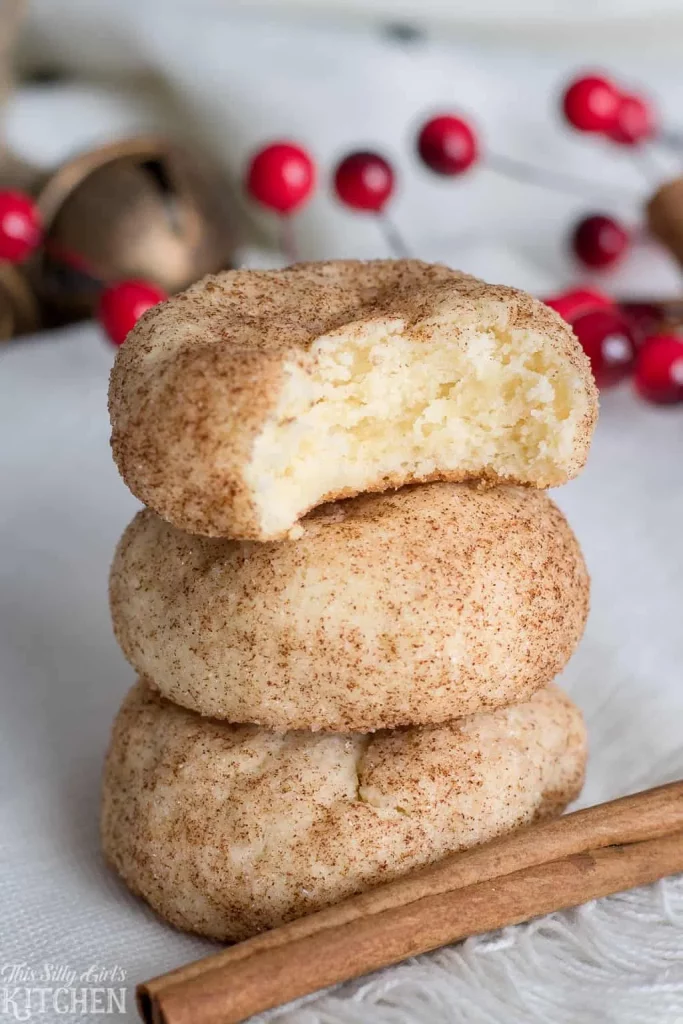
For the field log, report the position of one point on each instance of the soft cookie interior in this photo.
(377, 407)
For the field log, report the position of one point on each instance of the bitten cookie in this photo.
(255, 396)
(409, 607)
(227, 830)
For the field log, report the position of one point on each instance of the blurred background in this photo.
(225, 78)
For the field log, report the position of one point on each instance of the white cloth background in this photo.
(62, 508)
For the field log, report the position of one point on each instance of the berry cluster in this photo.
(282, 176)
(594, 103)
(622, 340)
(617, 339)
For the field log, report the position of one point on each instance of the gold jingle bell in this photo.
(19, 313)
(139, 208)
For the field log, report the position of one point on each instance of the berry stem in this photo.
(670, 138)
(649, 167)
(287, 243)
(393, 236)
(556, 181)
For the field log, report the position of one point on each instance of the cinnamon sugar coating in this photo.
(418, 606)
(227, 830)
(255, 396)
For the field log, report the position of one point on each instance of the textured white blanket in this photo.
(61, 679)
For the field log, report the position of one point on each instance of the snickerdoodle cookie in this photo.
(255, 396)
(403, 608)
(227, 830)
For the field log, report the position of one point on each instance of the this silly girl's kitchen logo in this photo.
(30, 991)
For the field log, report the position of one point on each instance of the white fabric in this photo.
(62, 508)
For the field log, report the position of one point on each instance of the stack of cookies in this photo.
(349, 593)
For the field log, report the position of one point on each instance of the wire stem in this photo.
(556, 181)
(649, 166)
(393, 236)
(287, 242)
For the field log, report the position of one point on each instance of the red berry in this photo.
(447, 145)
(644, 318)
(364, 181)
(281, 176)
(122, 304)
(590, 103)
(659, 370)
(20, 226)
(573, 304)
(609, 344)
(599, 241)
(635, 121)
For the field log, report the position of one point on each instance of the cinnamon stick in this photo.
(547, 867)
